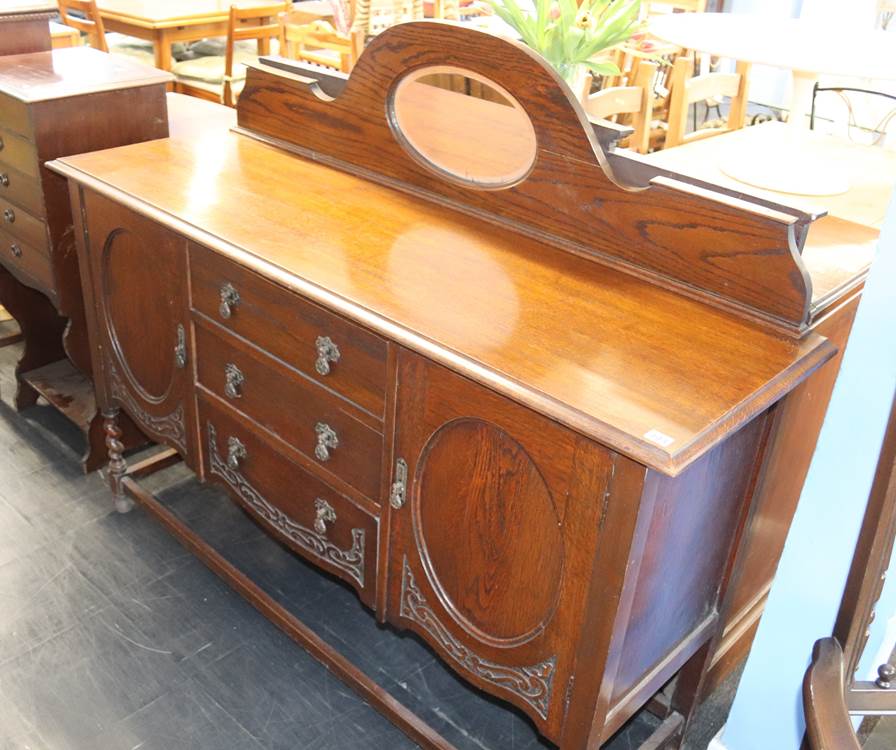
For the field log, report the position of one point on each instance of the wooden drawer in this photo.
(291, 406)
(311, 517)
(31, 266)
(22, 189)
(291, 328)
(14, 115)
(18, 153)
(19, 223)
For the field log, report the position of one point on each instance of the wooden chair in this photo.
(687, 89)
(636, 100)
(372, 17)
(86, 19)
(831, 694)
(319, 43)
(84, 16)
(220, 78)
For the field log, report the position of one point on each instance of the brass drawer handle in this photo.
(16, 250)
(326, 440)
(323, 514)
(9, 216)
(180, 348)
(236, 452)
(4, 179)
(230, 299)
(233, 380)
(327, 354)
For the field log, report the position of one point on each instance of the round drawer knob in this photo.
(16, 250)
(9, 216)
(4, 179)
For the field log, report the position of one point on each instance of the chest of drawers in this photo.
(533, 458)
(53, 104)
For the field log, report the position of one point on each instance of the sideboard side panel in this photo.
(685, 559)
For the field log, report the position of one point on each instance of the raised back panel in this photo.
(736, 254)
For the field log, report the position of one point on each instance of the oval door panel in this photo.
(488, 532)
(137, 279)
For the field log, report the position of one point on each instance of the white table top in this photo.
(782, 43)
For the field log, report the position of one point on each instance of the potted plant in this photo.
(569, 36)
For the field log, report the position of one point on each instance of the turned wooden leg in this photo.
(41, 327)
(117, 465)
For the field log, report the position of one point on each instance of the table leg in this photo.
(162, 48)
(264, 46)
(802, 85)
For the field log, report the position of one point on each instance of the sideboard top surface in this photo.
(39, 76)
(651, 373)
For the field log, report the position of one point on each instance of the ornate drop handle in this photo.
(230, 299)
(236, 452)
(9, 216)
(233, 381)
(16, 250)
(399, 489)
(327, 354)
(4, 179)
(180, 348)
(327, 439)
(323, 514)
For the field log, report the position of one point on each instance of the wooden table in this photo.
(871, 170)
(64, 36)
(164, 22)
(807, 50)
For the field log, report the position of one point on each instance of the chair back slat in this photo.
(87, 19)
(685, 90)
(636, 100)
(258, 22)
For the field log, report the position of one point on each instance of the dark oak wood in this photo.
(828, 724)
(54, 104)
(740, 252)
(25, 26)
(797, 426)
(550, 460)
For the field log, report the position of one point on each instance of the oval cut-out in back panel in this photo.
(488, 532)
(136, 283)
(463, 126)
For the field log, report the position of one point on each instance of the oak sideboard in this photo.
(523, 413)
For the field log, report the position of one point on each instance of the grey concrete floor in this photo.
(113, 636)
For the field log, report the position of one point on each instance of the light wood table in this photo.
(805, 48)
(164, 22)
(64, 36)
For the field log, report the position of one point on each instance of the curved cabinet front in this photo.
(492, 532)
(140, 285)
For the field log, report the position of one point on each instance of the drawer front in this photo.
(22, 189)
(327, 348)
(311, 517)
(318, 424)
(19, 154)
(19, 223)
(24, 260)
(14, 115)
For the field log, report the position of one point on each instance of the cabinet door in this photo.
(493, 540)
(139, 281)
